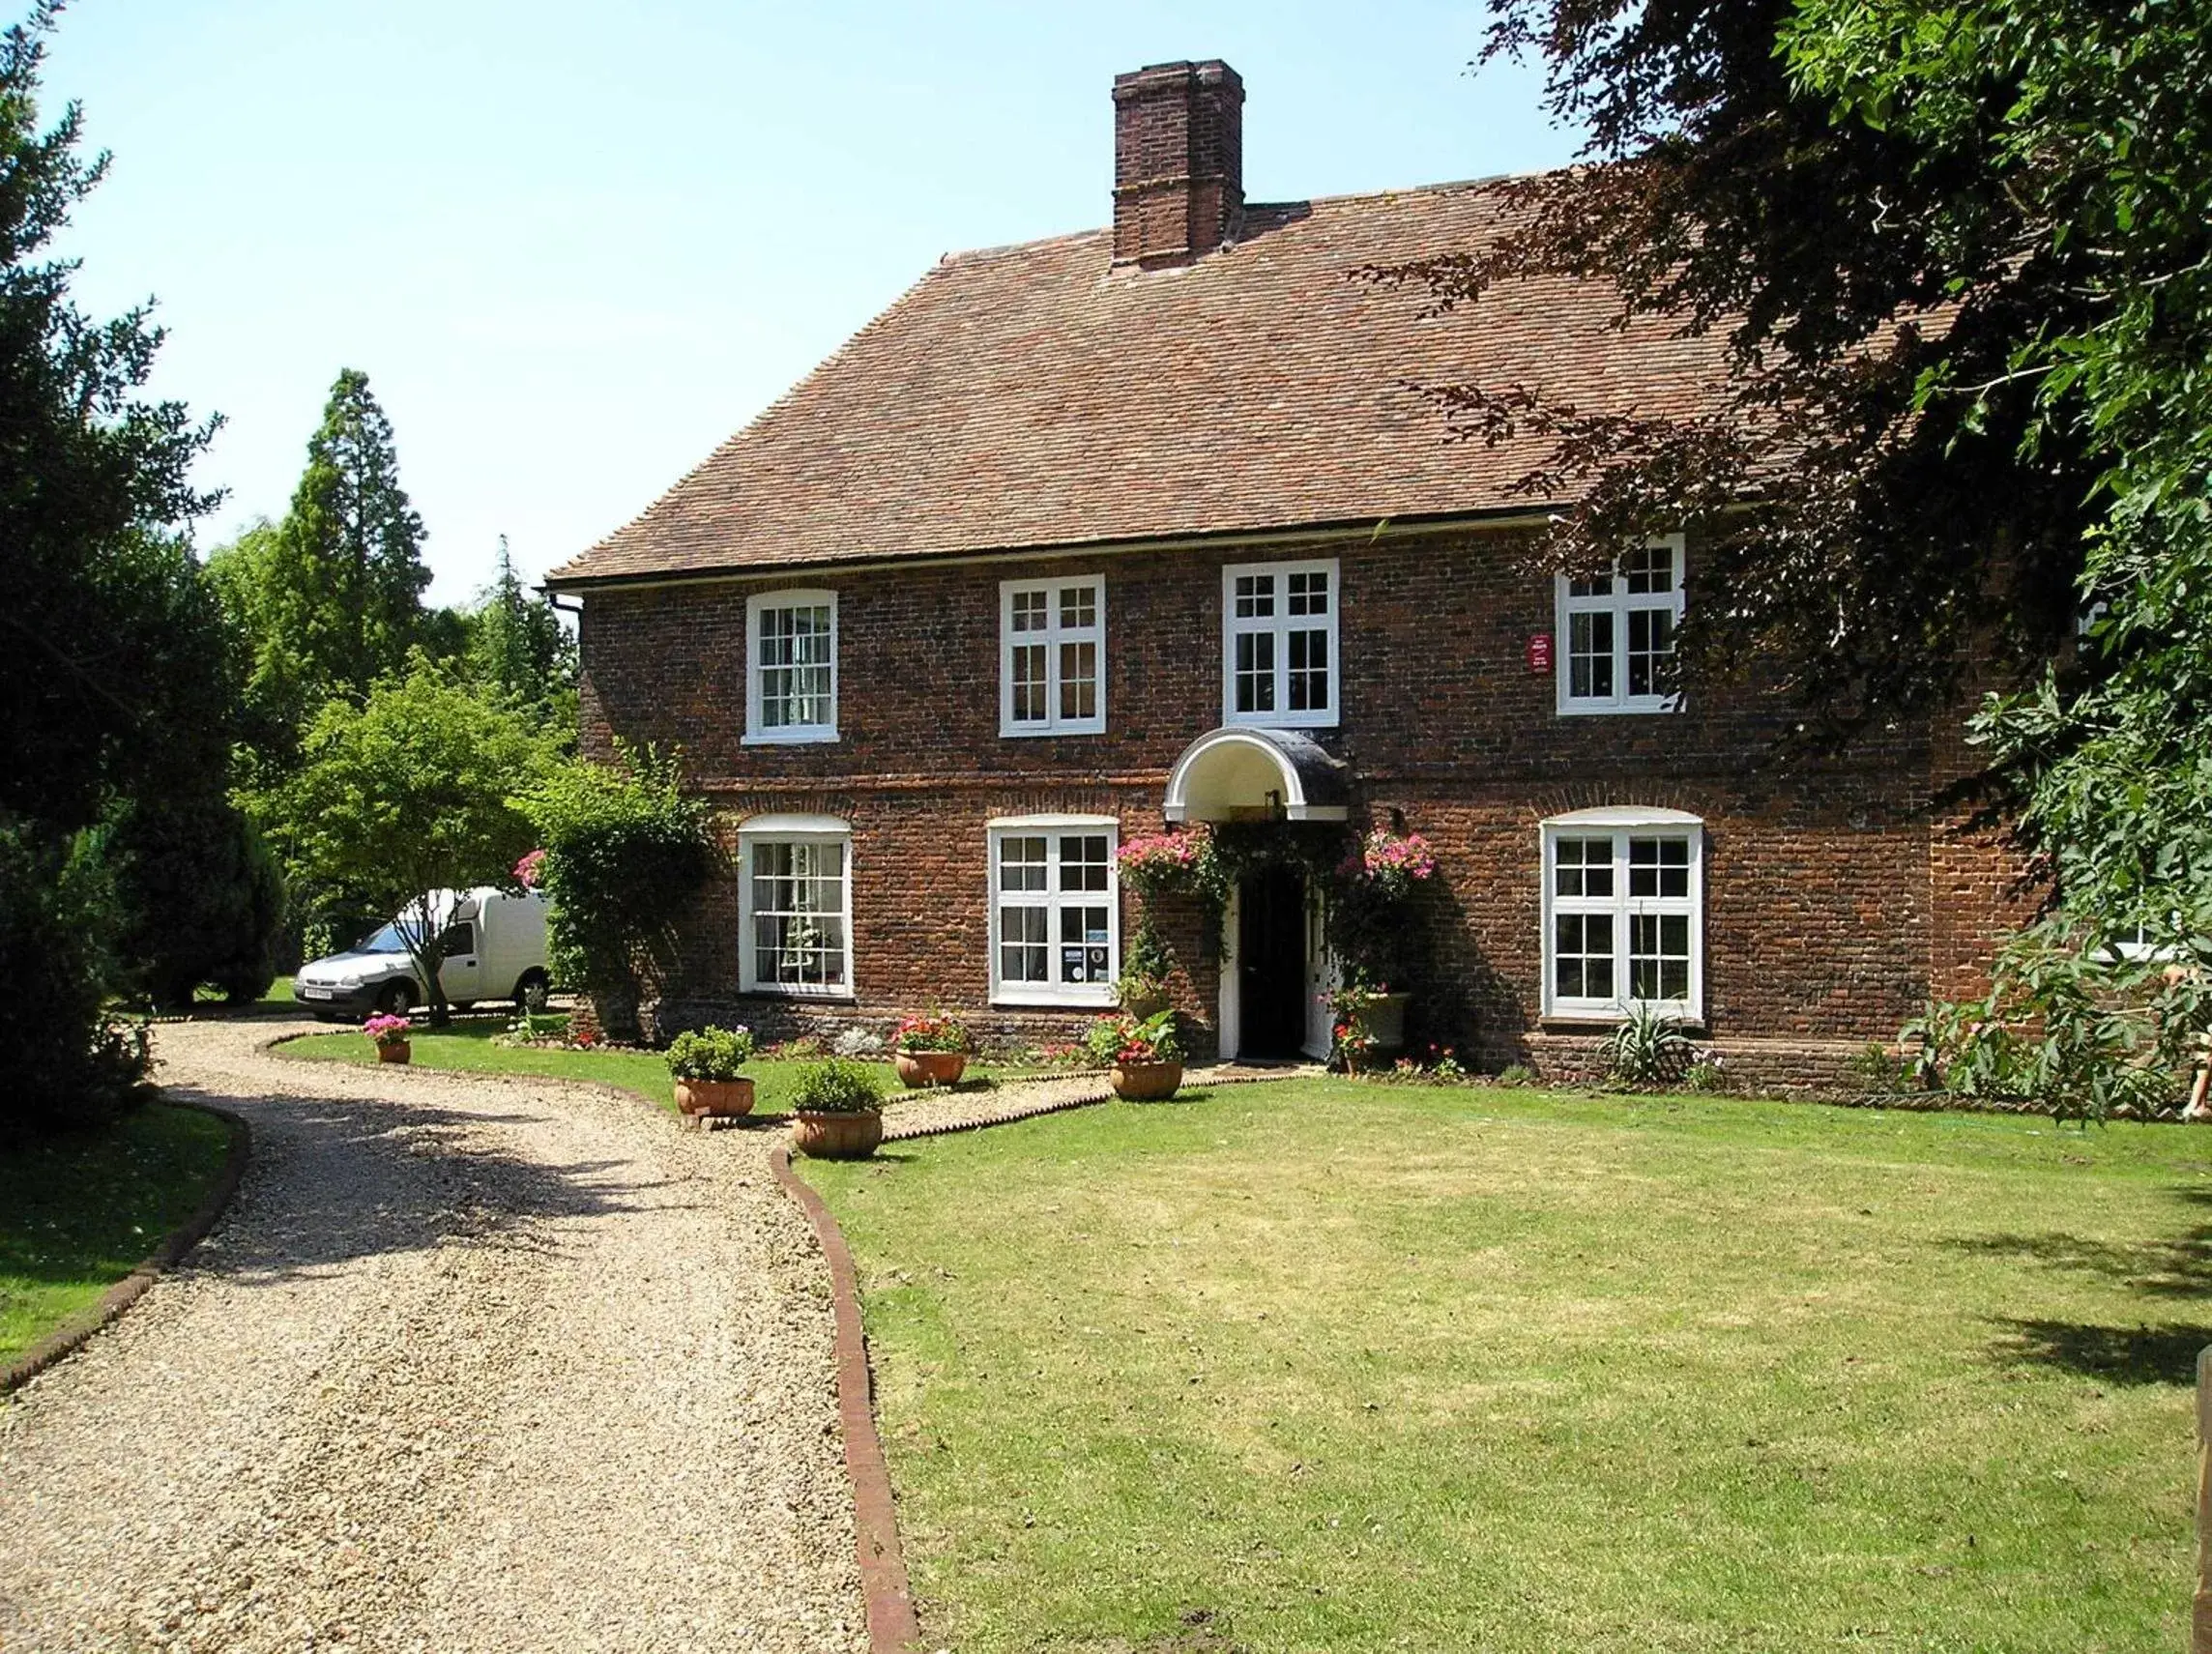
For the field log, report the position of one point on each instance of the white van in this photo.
(493, 948)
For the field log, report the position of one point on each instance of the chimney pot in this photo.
(1178, 162)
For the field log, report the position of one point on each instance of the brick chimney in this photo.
(1178, 160)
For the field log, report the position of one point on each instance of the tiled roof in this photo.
(1034, 396)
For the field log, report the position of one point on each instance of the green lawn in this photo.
(79, 1213)
(1329, 1366)
(468, 1045)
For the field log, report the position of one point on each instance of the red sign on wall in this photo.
(1539, 651)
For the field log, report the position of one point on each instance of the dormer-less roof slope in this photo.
(1039, 396)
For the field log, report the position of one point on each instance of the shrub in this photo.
(69, 1064)
(624, 852)
(709, 1053)
(200, 900)
(1646, 1050)
(940, 1033)
(1708, 1073)
(1517, 1074)
(1879, 1069)
(837, 1087)
(1116, 1041)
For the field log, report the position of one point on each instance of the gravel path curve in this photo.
(474, 1363)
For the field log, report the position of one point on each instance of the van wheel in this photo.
(396, 999)
(532, 991)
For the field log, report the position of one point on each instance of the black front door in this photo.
(1271, 964)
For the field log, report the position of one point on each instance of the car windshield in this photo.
(384, 940)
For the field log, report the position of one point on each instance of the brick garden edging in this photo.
(893, 1628)
(70, 1334)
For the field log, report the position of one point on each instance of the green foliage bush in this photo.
(626, 851)
(837, 1087)
(709, 1053)
(200, 898)
(68, 1062)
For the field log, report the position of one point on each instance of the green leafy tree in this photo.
(1959, 260)
(409, 793)
(626, 852)
(331, 596)
(517, 643)
(102, 661)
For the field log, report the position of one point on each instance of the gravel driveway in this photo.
(474, 1363)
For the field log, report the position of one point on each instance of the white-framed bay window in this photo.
(1624, 898)
(1052, 655)
(1055, 910)
(791, 667)
(795, 906)
(1617, 632)
(1279, 660)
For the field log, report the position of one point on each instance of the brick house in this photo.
(1155, 524)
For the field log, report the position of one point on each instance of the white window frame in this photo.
(792, 829)
(1620, 825)
(1053, 638)
(1093, 994)
(1279, 625)
(1617, 602)
(785, 735)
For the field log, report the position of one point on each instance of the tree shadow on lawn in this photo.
(2161, 1354)
(361, 1177)
(2180, 1268)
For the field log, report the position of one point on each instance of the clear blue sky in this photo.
(574, 246)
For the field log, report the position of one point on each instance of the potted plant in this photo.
(836, 1110)
(1143, 1058)
(705, 1064)
(390, 1034)
(1372, 923)
(1143, 990)
(931, 1051)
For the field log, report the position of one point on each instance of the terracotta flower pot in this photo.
(724, 1098)
(394, 1051)
(1146, 1082)
(918, 1068)
(837, 1137)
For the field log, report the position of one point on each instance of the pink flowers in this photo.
(1156, 860)
(527, 869)
(386, 1031)
(1393, 863)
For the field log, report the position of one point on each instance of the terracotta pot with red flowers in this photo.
(1144, 1060)
(705, 1064)
(931, 1051)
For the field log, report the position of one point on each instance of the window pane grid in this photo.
(1619, 633)
(1280, 648)
(1053, 655)
(793, 654)
(797, 911)
(1622, 919)
(1054, 923)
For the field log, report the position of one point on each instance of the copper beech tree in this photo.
(1962, 260)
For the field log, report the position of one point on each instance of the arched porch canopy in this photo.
(1240, 775)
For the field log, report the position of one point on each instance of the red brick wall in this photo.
(1828, 903)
